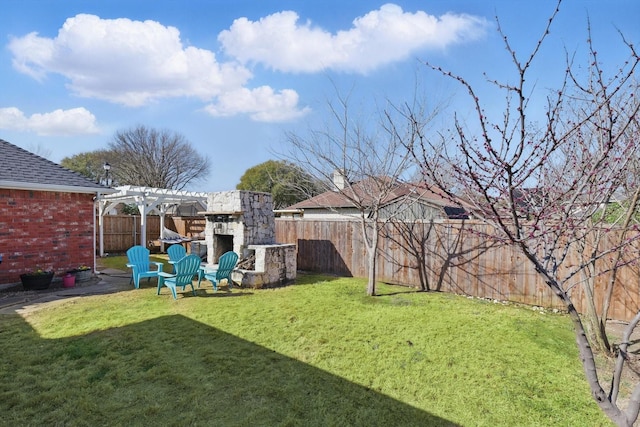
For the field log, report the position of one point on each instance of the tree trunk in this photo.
(630, 213)
(372, 254)
(586, 353)
(589, 366)
(594, 327)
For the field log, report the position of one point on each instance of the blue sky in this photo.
(233, 76)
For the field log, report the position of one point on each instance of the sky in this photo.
(234, 77)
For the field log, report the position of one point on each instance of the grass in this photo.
(119, 262)
(317, 353)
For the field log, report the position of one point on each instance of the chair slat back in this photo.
(226, 264)
(186, 268)
(176, 252)
(138, 256)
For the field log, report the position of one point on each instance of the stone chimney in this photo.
(237, 219)
(339, 180)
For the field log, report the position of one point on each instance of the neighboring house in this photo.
(404, 202)
(47, 215)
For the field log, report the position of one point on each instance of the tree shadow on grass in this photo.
(193, 375)
(321, 256)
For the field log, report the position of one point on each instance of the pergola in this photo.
(147, 199)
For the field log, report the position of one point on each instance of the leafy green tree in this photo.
(130, 209)
(287, 183)
(89, 164)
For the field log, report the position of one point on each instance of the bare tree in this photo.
(436, 249)
(544, 188)
(365, 164)
(40, 150)
(156, 158)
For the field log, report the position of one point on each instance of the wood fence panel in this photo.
(459, 260)
(188, 226)
(123, 231)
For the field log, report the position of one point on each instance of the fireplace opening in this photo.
(222, 243)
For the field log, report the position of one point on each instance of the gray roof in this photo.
(22, 169)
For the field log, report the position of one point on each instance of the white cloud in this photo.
(124, 61)
(135, 63)
(76, 121)
(377, 38)
(262, 104)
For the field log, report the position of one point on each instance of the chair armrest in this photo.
(130, 265)
(159, 264)
(167, 275)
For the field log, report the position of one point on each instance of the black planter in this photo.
(36, 282)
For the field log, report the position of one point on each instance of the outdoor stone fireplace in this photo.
(243, 222)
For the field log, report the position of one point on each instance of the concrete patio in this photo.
(15, 300)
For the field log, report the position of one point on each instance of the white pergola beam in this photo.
(146, 199)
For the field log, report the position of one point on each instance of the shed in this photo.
(47, 215)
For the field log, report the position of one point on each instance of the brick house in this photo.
(47, 215)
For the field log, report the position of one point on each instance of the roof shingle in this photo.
(334, 199)
(19, 167)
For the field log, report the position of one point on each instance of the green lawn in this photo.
(317, 353)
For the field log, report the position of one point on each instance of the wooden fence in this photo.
(123, 231)
(443, 256)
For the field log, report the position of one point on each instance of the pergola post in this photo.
(163, 211)
(101, 227)
(103, 208)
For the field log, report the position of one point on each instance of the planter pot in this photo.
(69, 280)
(81, 275)
(36, 281)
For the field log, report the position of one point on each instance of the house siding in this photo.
(406, 210)
(50, 230)
(338, 213)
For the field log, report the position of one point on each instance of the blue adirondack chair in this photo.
(176, 253)
(226, 264)
(140, 265)
(186, 269)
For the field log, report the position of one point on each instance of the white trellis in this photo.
(147, 199)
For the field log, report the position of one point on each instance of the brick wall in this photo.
(44, 229)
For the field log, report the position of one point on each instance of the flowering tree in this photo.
(546, 187)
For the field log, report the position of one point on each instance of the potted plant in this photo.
(82, 272)
(37, 279)
(68, 280)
